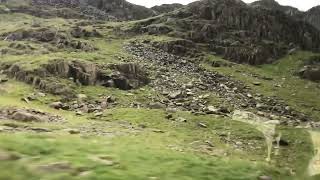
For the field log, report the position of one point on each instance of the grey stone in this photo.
(157, 105)
(202, 125)
(175, 94)
(181, 119)
(56, 105)
(25, 117)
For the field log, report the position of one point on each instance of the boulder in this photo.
(57, 105)
(3, 80)
(310, 72)
(180, 47)
(25, 117)
(175, 94)
(157, 105)
(56, 167)
(158, 29)
(311, 69)
(181, 119)
(212, 110)
(202, 125)
(6, 156)
(134, 74)
(79, 32)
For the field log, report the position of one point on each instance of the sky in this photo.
(300, 4)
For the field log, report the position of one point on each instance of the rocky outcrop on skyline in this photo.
(236, 31)
(313, 16)
(165, 8)
(274, 5)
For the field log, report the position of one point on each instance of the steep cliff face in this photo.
(237, 31)
(313, 16)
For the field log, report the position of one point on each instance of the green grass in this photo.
(179, 151)
(143, 155)
(108, 53)
(16, 21)
(110, 48)
(300, 94)
(300, 141)
(181, 146)
(134, 160)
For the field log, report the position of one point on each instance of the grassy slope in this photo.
(181, 147)
(181, 152)
(300, 94)
(133, 153)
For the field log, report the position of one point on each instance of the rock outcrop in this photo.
(121, 9)
(165, 8)
(28, 115)
(311, 69)
(122, 76)
(274, 5)
(177, 47)
(313, 16)
(237, 31)
(81, 9)
(52, 36)
(190, 95)
(79, 32)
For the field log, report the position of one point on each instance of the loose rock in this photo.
(202, 125)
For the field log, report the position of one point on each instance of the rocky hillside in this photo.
(102, 9)
(165, 8)
(274, 5)
(86, 94)
(121, 9)
(312, 16)
(236, 31)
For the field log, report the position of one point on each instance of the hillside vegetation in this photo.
(191, 94)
